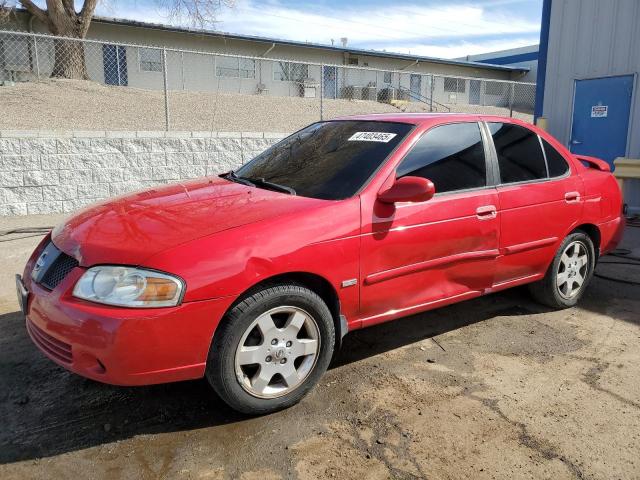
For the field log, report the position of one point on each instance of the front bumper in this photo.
(121, 346)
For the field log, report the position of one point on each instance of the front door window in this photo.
(451, 156)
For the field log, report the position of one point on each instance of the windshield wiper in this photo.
(259, 182)
(235, 178)
(275, 186)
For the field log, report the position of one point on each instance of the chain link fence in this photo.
(68, 84)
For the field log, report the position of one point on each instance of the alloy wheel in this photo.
(277, 352)
(572, 269)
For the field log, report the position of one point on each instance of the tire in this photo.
(250, 371)
(576, 271)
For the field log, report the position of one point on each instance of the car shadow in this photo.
(50, 411)
(382, 338)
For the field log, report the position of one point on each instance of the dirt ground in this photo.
(497, 387)
(84, 105)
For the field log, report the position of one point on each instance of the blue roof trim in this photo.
(542, 59)
(374, 53)
(510, 59)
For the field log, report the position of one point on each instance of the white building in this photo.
(248, 65)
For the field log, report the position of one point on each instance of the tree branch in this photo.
(5, 11)
(69, 7)
(199, 13)
(36, 11)
(86, 13)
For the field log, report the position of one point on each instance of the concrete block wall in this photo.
(51, 172)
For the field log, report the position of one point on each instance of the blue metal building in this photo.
(524, 57)
(587, 85)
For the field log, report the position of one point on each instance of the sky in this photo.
(437, 28)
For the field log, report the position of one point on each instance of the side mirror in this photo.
(408, 189)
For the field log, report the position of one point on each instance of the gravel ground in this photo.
(84, 105)
(497, 387)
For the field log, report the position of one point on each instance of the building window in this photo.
(387, 77)
(290, 72)
(352, 61)
(150, 59)
(15, 54)
(456, 85)
(495, 88)
(235, 67)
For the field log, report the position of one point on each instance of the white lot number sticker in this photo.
(599, 111)
(372, 137)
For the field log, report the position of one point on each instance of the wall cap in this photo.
(22, 134)
(627, 167)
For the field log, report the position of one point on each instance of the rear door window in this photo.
(451, 156)
(520, 156)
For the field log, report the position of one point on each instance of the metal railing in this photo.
(60, 83)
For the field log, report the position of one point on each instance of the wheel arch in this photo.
(314, 282)
(594, 234)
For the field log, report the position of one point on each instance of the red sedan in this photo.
(251, 279)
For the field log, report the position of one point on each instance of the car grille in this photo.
(52, 266)
(57, 349)
(58, 270)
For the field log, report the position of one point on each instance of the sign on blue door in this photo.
(601, 117)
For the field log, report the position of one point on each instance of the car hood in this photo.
(134, 227)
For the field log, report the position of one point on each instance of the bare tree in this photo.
(5, 11)
(199, 13)
(63, 19)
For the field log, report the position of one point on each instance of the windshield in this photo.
(327, 160)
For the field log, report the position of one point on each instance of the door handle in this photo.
(487, 212)
(576, 142)
(572, 197)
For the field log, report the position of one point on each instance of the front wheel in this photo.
(569, 273)
(271, 349)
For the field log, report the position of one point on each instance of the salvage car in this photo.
(252, 278)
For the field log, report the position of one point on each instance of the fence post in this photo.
(182, 68)
(511, 100)
(431, 86)
(35, 49)
(322, 92)
(118, 65)
(166, 93)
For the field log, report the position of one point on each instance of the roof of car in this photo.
(420, 118)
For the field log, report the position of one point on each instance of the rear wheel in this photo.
(569, 273)
(271, 349)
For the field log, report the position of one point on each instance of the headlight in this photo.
(129, 287)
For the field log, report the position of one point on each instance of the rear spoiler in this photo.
(593, 162)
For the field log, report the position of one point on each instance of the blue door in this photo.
(114, 61)
(601, 117)
(330, 83)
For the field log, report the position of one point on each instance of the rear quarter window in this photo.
(558, 166)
